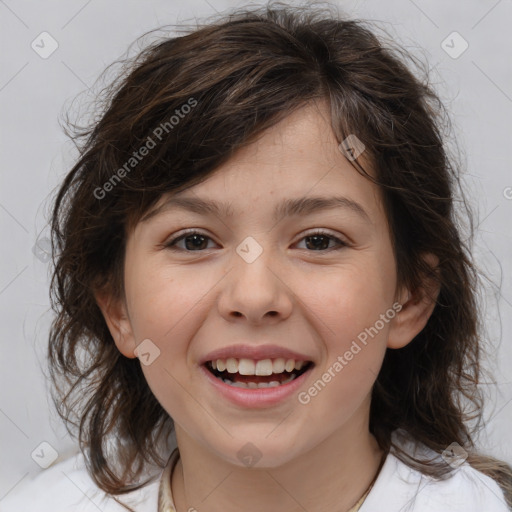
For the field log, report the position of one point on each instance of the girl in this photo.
(257, 253)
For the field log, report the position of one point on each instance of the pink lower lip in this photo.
(263, 397)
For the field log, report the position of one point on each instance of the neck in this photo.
(331, 476)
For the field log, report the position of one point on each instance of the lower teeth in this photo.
(258, 385)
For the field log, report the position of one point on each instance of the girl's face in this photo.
(254, 277)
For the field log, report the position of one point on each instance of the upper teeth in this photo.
(251, 367)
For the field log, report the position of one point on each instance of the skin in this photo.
(317, 457)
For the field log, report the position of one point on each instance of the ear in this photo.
(118, 322)
(417, 306)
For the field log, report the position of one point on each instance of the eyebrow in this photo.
(289, 207)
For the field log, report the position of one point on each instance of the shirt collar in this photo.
(165, 500)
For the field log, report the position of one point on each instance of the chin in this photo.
(259, 452)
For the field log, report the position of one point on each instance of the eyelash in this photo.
(171, 243)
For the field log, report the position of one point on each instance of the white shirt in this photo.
(67, 487)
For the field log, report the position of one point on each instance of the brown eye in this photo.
(320, 240)
(317, 242)
(193, 241)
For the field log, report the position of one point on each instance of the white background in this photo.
(35, 92)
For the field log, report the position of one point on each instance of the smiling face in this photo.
(257, 278)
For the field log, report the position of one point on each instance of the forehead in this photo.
(297, 158)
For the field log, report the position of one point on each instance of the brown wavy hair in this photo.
(245, 72)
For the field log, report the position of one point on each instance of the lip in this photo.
(255, 398)
(254, 352)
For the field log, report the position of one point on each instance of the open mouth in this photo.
(250, 374)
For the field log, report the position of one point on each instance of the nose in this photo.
(257, 292)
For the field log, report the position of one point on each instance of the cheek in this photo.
(354, 345)
(346, 305)
(163, 299)
(345, 301)
(168, 304)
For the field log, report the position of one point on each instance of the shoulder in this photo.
(399, 487)
(68, 487)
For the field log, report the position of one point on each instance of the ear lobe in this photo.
(416, 309)
(118, 323)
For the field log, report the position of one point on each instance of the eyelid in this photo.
(326, 232)
(184, 233)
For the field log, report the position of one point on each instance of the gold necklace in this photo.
(166, 503)
(359, 504)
